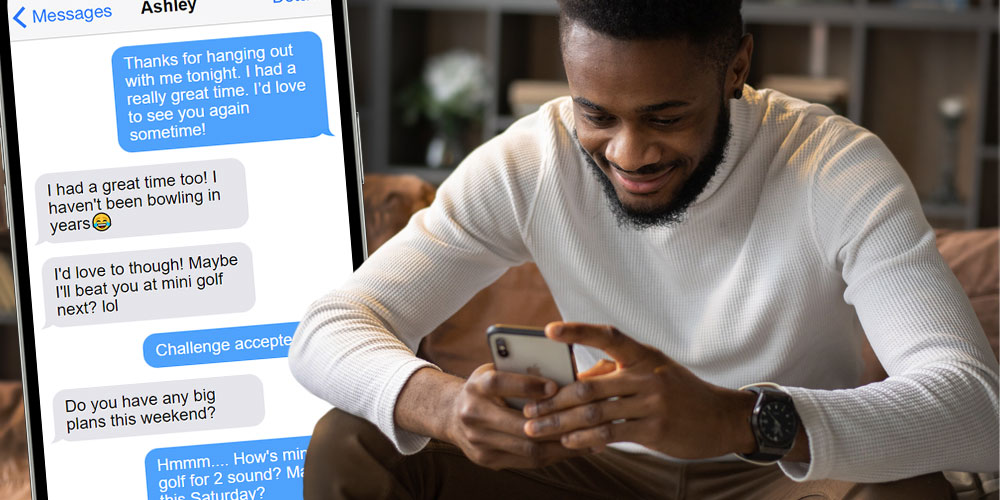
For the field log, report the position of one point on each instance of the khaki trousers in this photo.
(348, 457)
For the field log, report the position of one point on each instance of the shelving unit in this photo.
(898, 62)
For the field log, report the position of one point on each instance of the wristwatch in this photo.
(774, 423)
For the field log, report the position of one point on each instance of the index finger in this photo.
(492, 382)
(622, 348)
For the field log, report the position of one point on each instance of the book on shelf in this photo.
(525, 96)
(832, 92)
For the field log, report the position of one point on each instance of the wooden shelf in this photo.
(952, 216)
(870, 16)
(505, 121)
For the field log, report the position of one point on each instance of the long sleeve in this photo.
(938, 408)
(355, 346)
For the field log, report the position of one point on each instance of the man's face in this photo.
(651, 117)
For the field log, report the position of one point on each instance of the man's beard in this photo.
(673, 212)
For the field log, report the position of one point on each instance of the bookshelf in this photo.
(898, 59)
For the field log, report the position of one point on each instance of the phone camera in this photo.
(502, 348)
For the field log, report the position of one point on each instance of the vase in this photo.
(952, 110)
(444, 151)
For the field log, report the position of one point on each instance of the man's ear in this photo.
(739, 67)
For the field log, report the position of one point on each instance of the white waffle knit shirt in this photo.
(809, 236)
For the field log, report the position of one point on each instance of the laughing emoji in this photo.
(101, 222)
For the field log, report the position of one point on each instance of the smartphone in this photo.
(525, 349)
(173, 168)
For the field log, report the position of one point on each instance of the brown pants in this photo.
(349, 457)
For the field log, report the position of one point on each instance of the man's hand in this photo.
(472, 415)
(644, 397)
(491, 433)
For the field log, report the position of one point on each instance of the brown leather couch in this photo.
(521, 297)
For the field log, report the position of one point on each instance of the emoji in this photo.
(102, 222)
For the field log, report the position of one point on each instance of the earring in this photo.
(738, 93)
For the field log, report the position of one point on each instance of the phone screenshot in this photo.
(182, 183)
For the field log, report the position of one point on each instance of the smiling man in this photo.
(719, 251)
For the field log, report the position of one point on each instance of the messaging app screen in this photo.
(183, 174)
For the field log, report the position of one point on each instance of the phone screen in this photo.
(182, 183)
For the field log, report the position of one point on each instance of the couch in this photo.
(521, 297)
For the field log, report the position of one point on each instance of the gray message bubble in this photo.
(158, 408)
(140, 201)
(150, 284)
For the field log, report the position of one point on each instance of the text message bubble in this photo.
(222, 91)
(158, 408)
(139, 201)
(150, 284)
(250, 470)
(218, 345)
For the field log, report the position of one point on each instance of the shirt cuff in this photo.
(814, 420)
(406, 442)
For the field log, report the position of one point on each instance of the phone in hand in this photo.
(525, 349)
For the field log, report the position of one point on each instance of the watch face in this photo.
(777, 422)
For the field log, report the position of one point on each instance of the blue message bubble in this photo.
(252, 470)
(221, 91)
(218, 345)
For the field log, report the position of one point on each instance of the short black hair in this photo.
(716, 25)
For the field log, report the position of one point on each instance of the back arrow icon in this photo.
(18, 21)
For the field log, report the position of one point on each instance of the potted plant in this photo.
(450, 95)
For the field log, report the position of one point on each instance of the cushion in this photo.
(14, 478)
(389, 201)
